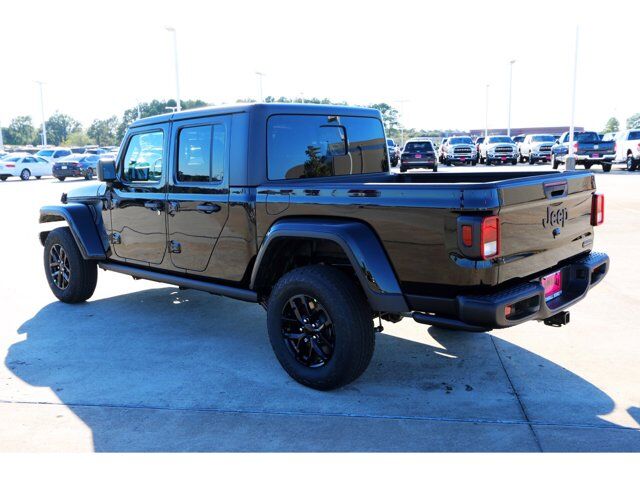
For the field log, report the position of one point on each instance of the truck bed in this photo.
(415, 216)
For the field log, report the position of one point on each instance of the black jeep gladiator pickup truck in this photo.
(293, 207)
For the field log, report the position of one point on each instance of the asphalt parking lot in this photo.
(146, 367)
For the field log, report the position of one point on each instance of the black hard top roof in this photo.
(265, 109)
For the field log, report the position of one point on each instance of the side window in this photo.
(201, 151)
(143, 158)
(313, 146)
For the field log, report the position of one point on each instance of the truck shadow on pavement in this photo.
(170, 370)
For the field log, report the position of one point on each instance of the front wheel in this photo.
(631, 165)
(61, 178)
(555, 163)
(89, 174)
(25, 175)
(606, 167)
(320, 327)
(402, 170)
(71, 278)
(587, 166)
(514, 161)
(435, 168)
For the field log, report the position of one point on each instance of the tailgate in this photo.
(544, 221)
(594, 149)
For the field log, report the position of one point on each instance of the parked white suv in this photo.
(536, 148)
(628, 148)
(52, 154)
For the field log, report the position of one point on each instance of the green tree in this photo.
(104, 132)
(612, 125)
(59, 127)
(19, 132)
(633, 121)
(77, 138)
(389, 116)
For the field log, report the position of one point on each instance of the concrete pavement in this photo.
(143, 366)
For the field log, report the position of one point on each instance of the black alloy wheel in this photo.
(59, 267)
(307, 331)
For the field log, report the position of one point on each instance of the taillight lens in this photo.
(597, 210)
(10, 165)
(490, 237)
(467, 235)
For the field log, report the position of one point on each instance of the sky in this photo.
(430, 60)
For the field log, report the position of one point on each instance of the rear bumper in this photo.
(486, 312)
(428, 163)
(68, 173)
(582, 159)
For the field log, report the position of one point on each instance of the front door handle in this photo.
(153, 205)
(208, 208)
(173, 207)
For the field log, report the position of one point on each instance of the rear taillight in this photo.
(597, 210)
(479, 237)
(490, 237)
(10, 165)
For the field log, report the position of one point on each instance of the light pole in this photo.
(175, 62)
(486, 111)
(44, 126)
(510, 86)
(571, 163)
(1, 140)
(260, 75)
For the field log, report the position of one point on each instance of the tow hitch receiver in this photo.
(557, 320)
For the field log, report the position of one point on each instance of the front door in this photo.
(198, 190)
(138, 198)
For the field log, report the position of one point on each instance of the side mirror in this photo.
(557, 142)
(106, 170)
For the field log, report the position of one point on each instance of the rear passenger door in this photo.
(198, 193)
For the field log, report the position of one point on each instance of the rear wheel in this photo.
(532, 161)
(61, 178)
(631, 165)
(3, 178)
(71, 278)
(435, 168)
(320, 327)
(555, 163)
(587, 166)
(474, 163)
(402, 170)
(514, 161)
(488, 162)
(25, 174)
(606, 167)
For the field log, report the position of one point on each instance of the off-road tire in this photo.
(83, 275)
(351, 317)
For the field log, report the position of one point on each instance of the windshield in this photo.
(45, 153)
(500, 139)
(416, 147)
(461, 141)
(540, 138)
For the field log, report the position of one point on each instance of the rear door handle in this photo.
(208, 208)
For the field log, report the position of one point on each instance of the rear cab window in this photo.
(312, 146)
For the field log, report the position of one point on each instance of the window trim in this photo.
(176, 154)
(325, 178)
(124, 151)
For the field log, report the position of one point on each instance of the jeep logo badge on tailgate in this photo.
(555, 217)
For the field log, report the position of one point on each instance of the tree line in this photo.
(64, 130)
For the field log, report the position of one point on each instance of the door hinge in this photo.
(115, 238)
(175, 247)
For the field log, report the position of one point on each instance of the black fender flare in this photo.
(82, 222)
(362, 247)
